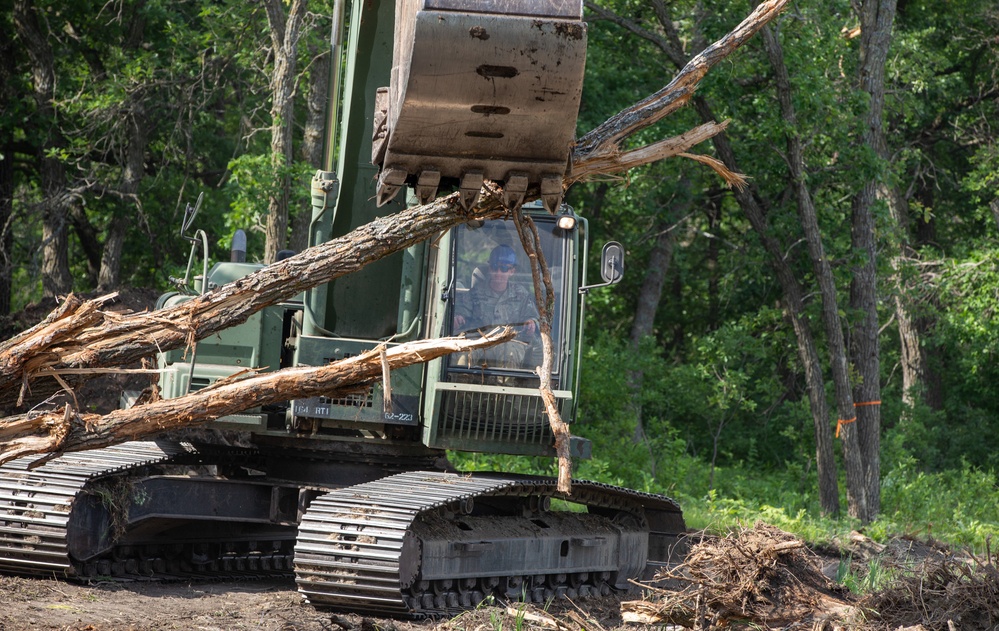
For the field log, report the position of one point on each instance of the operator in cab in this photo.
(496, 299)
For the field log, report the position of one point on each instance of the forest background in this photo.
(856, 277)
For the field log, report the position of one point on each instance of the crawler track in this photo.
(429, 543)
(420, 543)
(38, 534)
(35, 504)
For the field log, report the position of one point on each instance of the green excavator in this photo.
(354, 494)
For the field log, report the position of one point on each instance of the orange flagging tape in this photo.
(841, 422)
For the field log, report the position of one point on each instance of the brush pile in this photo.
(943, 592)
(760, 576)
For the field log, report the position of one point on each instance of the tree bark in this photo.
(876, 18)
(912, 358)
(544, 294)
(646, 308)
(285, 32)
(109, 276)
(606, 137)
(312, 141)
(65, 430)
(86, 236)
(839, 366)
(6, 227)
(8, 94)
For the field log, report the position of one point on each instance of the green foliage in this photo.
(252, 182)
(956, 505)
(962, 345)
(876, 577)
(190, 83)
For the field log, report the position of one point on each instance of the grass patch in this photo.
(957, 506)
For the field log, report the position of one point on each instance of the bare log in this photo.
(81, 336)
(65, 430)
(544, 294)
(587, 166)
(606, 138)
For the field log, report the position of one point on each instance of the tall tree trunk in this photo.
(131, 177)
(913, 360)
(6, 225)
(646, 308)
(7, 96)
(114, 242)
(285, 31)
(839, 366)
(87, 237)
(807, 351)
(876, 18)
(656, 271)
(713, 208)
(56, 279)
(670, 43)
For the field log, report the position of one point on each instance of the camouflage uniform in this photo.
(483, 309)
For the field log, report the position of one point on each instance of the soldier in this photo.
(495, 300)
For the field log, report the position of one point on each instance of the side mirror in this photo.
(190, 212)
(612, 263)
(611, 266)
(199, 238)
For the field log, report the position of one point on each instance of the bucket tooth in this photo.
(551, 192)
(514, 190)
(426, 185)
(389, 182)
(471, 185)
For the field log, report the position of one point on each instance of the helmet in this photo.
(503, 254)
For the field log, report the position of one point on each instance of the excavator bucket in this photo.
(481, 89)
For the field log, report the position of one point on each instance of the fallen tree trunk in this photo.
(65, 429)
(80, 335)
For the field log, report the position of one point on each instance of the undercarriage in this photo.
(424, 542)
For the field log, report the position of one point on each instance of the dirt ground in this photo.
(50, 604)
(267, 605)
(757, 578)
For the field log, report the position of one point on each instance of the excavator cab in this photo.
(488, 400)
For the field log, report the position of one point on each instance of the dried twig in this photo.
(544, 294)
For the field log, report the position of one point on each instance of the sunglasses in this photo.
(500, 267)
